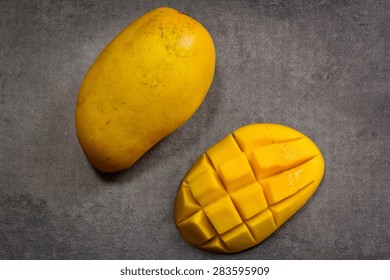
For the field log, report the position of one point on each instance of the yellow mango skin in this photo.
(243, 188)
(147, 82)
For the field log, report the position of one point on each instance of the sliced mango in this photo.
(246, 186)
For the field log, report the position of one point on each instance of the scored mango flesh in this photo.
(246, 186)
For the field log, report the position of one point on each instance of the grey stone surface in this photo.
(322, 67)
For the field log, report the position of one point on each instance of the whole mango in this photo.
(148, 81)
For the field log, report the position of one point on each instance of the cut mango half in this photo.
(242, 189)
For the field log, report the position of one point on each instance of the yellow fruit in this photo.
(246, 186)
(147, 82)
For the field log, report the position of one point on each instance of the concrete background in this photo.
(322, 67)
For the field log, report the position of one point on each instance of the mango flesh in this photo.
(246, 186)
(147, 82)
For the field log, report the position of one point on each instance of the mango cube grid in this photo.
(243, 188)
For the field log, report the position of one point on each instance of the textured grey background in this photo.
(322, 67)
